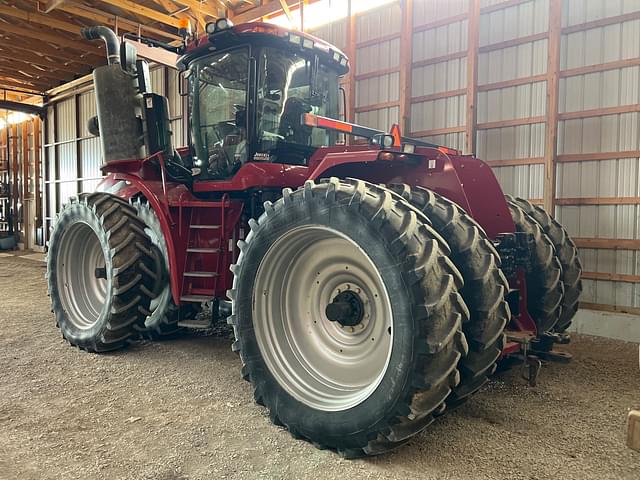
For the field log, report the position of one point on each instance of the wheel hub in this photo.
(347, 309)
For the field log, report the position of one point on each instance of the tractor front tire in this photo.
(347, 316)
(567, 253)
(545, 289)
(101, 272)
(484, 291)
(165, 314)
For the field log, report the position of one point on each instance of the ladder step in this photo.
(205, 227)
(196, 324)
(201, 274)
(203, 250)
(195, 298)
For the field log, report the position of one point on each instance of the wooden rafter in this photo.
(43, 35)
(262, 11)
(137, 9)
(104, 18)
(40, 19)
(41, 61)
(29, 45)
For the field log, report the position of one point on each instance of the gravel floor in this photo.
(179, 410)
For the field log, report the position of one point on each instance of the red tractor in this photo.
(372, 286)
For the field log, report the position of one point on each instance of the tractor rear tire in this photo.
(567, 253)
(165, 314)
(545, 289)
(484, 291)
(101, 272)
(359, 388)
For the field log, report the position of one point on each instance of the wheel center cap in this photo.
(347, 309)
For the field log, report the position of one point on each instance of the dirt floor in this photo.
(179, 410)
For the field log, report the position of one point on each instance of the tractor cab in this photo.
(249, 87)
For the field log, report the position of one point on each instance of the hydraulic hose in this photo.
(111, 41)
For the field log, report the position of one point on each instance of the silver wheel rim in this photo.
(320, 362)
(82, 293)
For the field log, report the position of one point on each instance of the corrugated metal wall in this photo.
(598, 164)
(73, 155)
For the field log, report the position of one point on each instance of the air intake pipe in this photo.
(110, 40)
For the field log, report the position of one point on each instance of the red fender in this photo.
(128, 186)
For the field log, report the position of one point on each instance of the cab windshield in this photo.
(226, 132)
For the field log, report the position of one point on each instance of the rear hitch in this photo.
(513, 249)
(542, 346)
(531, 364)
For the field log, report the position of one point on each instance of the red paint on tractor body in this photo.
(465, 180)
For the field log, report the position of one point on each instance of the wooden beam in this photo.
(553, 81)
(56, 39)
(602, 67)
(31, 69)
(37, 172)
(29, 45)
(502, 5)
(603, 22)
(611, 277)
(351, 53)
(25, 183)
(17, 76)
(12, 82)
(610, 308)
(40, 19)
(199, 7)
(588, 157)
(286, 10)
(516, 82)
(42, 61)
(13, 140)
(257, 13)
(516, 122)
(377, 73)
(513, 43)
(440, 23)
(473, 41)
(378, 40)
(599, 112)
(599, 201)
(437, 96)
(109, 19)
(376, 106)
(437, 131)
(138, 9)
(440, 59)
(608, 243)
(406, 69)
(53, 4)
(514, 162)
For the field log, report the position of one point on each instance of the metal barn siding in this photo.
(377, 66)
(598, 144)
(510, 109)
(72, 155)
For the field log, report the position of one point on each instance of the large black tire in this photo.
(426, 312)
(567, 253)
(100, 311)
(545, 289)
(165, 314)
(484, 291)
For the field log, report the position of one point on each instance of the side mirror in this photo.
(183, 82)
(128, 57)
(382, 140)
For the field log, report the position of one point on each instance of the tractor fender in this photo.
(128, 186)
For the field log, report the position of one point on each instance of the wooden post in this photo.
(406, 70)
(15, 192)
(473, 41)
(351, 53)
(553, 75)
(25, 185)
(37, 176)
